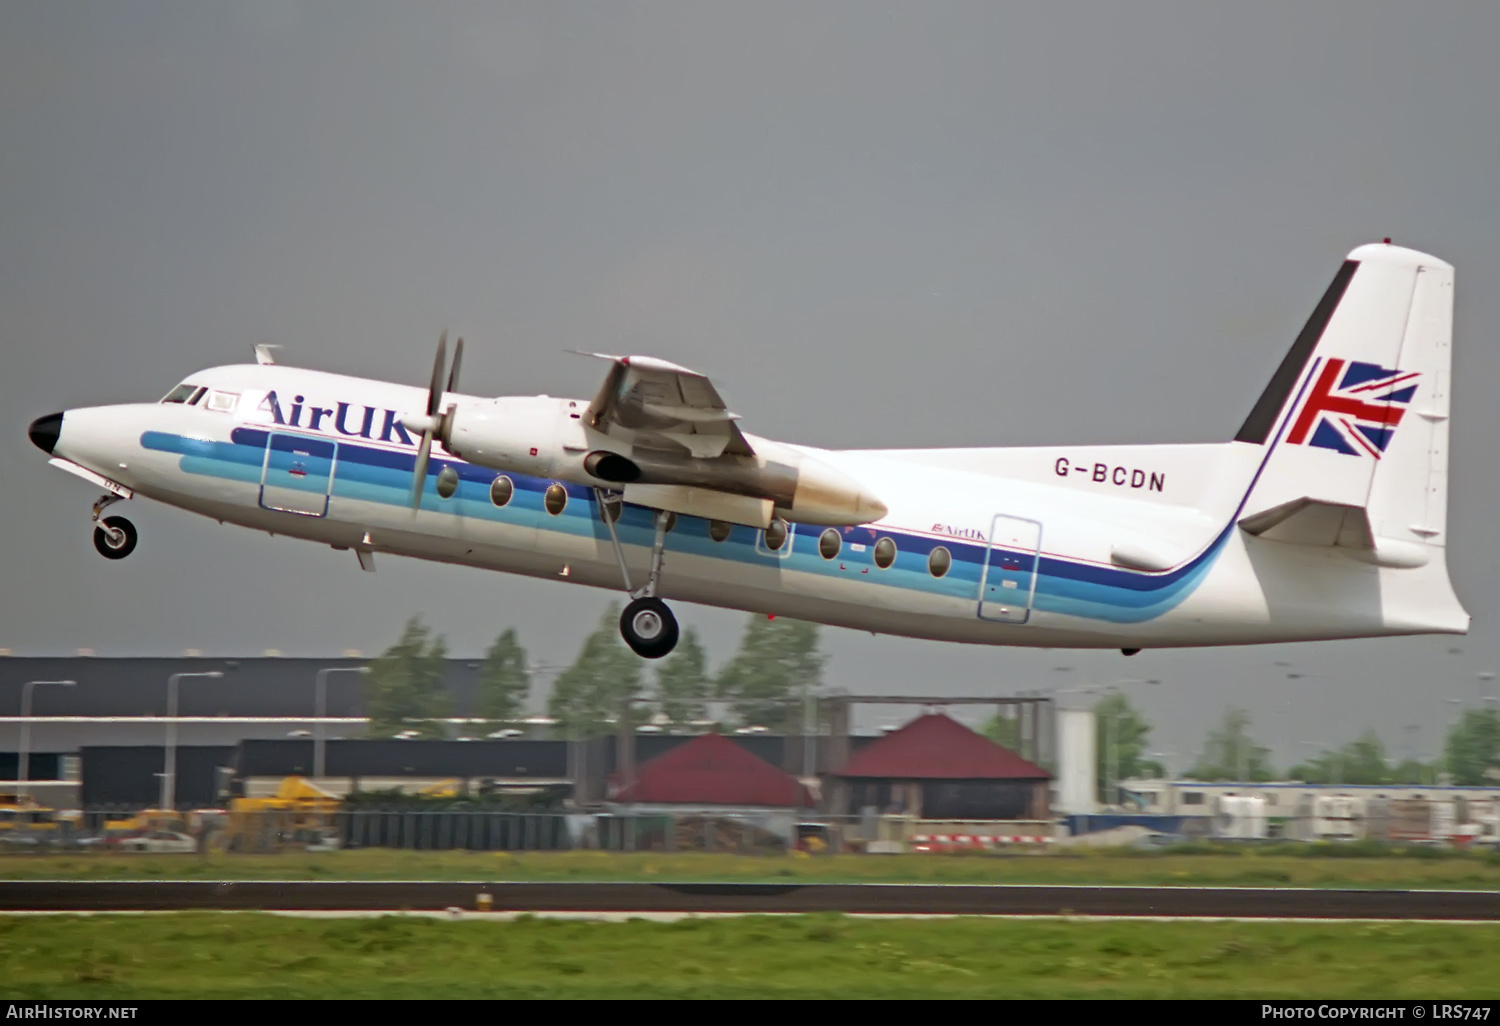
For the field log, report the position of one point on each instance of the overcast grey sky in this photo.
(873, 224)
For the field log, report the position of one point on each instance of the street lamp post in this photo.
(321, 712)
(23, 770)
(169, 778)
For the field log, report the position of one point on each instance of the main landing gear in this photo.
(647, 624)
(114, 537)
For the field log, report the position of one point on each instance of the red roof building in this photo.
(936, 768)
(713, 770)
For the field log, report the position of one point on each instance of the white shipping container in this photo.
(1240, 816)
(1335, 818)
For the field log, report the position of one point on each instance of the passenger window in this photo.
(718, 530)
(447, 482)
(830, 543)
(776, 534)
(885, 553)
(501, 489)
(938, 561)
(555, 498)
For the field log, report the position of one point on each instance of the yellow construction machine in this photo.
(300, 814)
(23, 820)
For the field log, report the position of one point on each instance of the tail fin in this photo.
(1354, 423)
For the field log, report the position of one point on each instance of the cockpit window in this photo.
(222, 401)
(184, 393)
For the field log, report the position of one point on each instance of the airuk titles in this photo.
(1104, 473)
(959, 532)
(346, 422)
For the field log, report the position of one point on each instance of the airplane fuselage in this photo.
(1089, 547)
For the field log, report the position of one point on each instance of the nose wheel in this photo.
(114, 537)
(647, 624)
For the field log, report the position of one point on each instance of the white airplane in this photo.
(1324, 518)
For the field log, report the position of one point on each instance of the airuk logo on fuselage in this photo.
(355, 421)
(1354, 408)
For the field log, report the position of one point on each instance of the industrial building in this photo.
(197, 733)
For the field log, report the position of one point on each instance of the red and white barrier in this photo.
(969, 842)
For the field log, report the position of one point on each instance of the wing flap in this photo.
(654, 404)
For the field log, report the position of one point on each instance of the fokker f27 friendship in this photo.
(1324, 518)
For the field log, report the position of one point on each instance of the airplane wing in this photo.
(652, 404)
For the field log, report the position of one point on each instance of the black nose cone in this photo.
(44, 432)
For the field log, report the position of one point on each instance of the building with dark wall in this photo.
(130, 776)
(377, 765)
(711, 770)
(935, 768)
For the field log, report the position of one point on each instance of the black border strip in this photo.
(1257, 426)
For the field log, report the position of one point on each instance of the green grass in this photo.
(220, 955)
(1244, 867)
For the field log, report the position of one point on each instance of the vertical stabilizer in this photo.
(1356, 416)
(1356, 455)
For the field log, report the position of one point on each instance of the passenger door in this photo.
(1007, 587)
(298, 474)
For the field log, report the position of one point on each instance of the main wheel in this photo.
(649, 628)
(115, 537)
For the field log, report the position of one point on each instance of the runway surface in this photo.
(879, 899)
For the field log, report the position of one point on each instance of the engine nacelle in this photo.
(524, 434)
(546, 437)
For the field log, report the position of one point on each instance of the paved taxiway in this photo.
(705, 898)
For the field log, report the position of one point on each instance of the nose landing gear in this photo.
(114, 537)
(647, 624)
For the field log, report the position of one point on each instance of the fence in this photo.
(624, 829)
(330, 828)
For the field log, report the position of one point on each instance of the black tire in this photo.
(649, 628)
(115, 538)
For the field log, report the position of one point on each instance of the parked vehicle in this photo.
(159, 842)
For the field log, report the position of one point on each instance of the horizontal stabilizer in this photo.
(1308, 521)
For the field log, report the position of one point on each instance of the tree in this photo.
(682, 683)
(1361, 761)
(504, 681)
(592, 693)
(1230, 753)
(406, 683)
(1472, 752)
(1413, 771)
(778, 662)
(1121, 742)
(1005, 731)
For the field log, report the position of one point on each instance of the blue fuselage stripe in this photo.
(367, 473)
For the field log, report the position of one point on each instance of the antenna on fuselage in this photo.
(264, 354)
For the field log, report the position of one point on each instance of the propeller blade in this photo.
(458, 358)
(419, 472)
(434, 397)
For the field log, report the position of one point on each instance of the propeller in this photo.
(430, 424)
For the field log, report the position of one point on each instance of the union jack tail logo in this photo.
(1354, 408)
